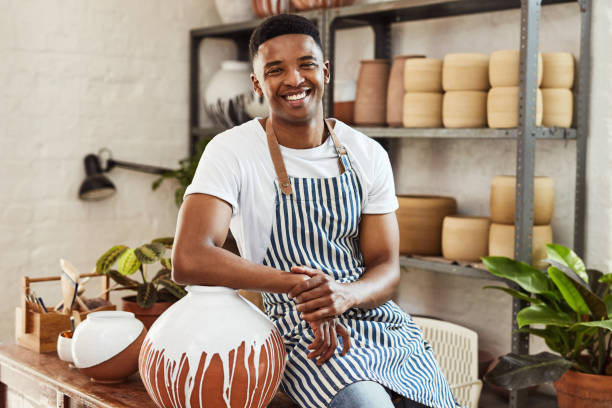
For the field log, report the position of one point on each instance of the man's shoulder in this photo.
(357, 141)
(239, 139)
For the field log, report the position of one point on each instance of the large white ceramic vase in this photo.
(234, 11)
(212, 346)
(229, 99)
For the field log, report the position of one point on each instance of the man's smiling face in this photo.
(290, 71)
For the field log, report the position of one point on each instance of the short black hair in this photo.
(281, 24)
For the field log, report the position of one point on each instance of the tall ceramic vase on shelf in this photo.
(229, 96)
(234, 11)
(267, 8)
(371, 98)
(395, 90)
(212, 346)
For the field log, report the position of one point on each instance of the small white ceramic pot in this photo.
(105, 346)
(64, 346)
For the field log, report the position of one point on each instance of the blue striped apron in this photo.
(317, 225)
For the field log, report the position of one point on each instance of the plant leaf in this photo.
(604, 324)
(543, 314)
(527, 277)
(147, 295)
(166, 263)
(567, 257)
(516, 294)
(128, 264)
(149, 253)
(606, 278)
(608, 301)
(172, 287)
(124, 281)
(595, 303)
(599, 288)
(162, 274)
(516, 371)
(167, 241)
(552, 339)
(568, 291)
(106, 261)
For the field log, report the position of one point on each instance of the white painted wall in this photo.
(464, 168)
(76, 76)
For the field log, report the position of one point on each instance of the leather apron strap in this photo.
(277, 157)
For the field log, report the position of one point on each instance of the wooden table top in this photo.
(64, 377)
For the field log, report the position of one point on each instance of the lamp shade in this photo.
(96, 186)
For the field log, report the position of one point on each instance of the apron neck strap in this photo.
(277, 157)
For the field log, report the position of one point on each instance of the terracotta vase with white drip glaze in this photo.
(212, 346)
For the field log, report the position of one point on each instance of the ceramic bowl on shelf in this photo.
(420, 220)
(503, 198)
(105, 346)
(465, 238)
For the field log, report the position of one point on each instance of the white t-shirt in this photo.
(236, 167)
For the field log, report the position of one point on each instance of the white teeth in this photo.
(296, 96)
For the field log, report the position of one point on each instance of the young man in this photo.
(311, 204)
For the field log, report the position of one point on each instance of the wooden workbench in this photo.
(29, 379)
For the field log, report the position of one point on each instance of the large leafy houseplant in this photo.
(184, 174)
(571, 305)
(129, 261)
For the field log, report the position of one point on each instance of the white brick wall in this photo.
(76, 76)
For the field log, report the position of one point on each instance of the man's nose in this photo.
(294, 77)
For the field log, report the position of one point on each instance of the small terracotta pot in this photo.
(501, 242)
(580, 390)
(303, 5)
(503, 198)
(395, 90)
(420, 223)
(146, 316)
(465, 238)
(267, 8)
(371, 98)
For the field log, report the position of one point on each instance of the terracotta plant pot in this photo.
(503, 198)
(213, 346)
(580, 390)
(423, 75)
(267, 8)
(465, 238)
(501, 242)
(303, 5)
(464, 109)
(371, 98)
(146, 316)
(106, 345)
(420, 223)
(395, 90)
(344, 100)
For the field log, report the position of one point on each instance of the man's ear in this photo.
(256, 86)
(326, 72)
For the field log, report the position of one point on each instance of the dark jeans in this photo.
(369, 394)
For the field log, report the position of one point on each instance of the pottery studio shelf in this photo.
(439, 264)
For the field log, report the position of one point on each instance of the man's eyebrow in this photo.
(272, 63)
(306, 57)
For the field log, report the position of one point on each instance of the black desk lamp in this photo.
(97, 186)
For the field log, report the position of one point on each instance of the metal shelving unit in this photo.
(380, 17)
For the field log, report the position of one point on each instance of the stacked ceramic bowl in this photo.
(465, 79)
(502, 102)
(501, 234)
(557, 82)
(422, 105)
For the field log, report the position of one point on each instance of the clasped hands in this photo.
(320, 299)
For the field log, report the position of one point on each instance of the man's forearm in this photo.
(214, 266)
(377, 285)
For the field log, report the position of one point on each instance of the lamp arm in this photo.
(144, 168)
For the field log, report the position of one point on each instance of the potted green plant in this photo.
(184, 174)
(153, 294)
(572, 308)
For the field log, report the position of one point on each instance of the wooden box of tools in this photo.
(38, 330)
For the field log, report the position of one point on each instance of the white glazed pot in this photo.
(106, 345)
(229, 98)
(210, 345)
(64, 346)
(234, 11)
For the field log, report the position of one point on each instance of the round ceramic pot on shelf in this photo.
(395, 90)
(420, 220)
(465, 72)
(303, 5)
(423, 75)
(105, 346)
(558, 107)
(213, 345)
(422, 110)
(146, 316)
(558, 70)
(580, 390)
(234, 11)
(371, 98)
(344, 100)
(501, 242)
(267, 8)
(465, 238)
(502, 107)
(503, 198)
(464, 109)
(504, 68)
